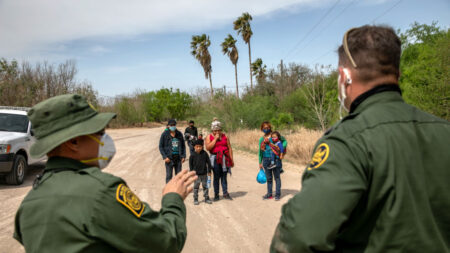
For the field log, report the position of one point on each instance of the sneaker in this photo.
(281, 171)
(216, 198)
(196, 202)
(208, 201)
(277, 198)
(227, 196)
(267, 196)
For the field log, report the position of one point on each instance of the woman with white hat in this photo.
(219, 146)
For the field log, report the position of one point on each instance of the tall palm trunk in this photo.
(210, 85)
(237, 86)
(250, 64)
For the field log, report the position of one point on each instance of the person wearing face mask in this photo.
(191, 135)
(74, 206)
(263, 146)
(378, 180)
(172, 149)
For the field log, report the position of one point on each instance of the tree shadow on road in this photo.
(287, 192)
(238, 194)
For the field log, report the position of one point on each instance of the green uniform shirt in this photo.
(85, 210)
(377, 182)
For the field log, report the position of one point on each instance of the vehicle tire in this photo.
(17, 174)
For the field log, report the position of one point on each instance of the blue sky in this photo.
(120, 48)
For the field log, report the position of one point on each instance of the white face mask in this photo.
(106, 151)
(341, 87)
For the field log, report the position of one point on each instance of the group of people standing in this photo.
(220, 161)
(377, 182)
(272, 149)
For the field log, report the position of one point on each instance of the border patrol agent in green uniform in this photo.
(379, 179)
(75, 207)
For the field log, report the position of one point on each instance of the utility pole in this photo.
(282, 74)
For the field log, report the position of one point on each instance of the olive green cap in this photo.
(61, 118)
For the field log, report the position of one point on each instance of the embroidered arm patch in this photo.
(127, 198)
(320, 156)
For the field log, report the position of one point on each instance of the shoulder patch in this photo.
(127, 198)
(320, 156)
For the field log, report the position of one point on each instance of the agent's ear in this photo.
(344, 81)
(72, 144)
(347, 76)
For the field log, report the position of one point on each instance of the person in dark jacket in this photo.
(191, 134)
(172, 148)
(378, 180)
(74, 206)
(199, 162)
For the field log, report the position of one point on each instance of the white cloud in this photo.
(29, 26)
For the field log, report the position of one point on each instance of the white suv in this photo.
(16, 139)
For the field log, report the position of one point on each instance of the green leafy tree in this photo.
(229, 49)
(284, 119)
(178, 104)
(425, 68)
(166, 103)
(199, 46)
(242, 26)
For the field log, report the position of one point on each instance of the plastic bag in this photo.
(261, 177)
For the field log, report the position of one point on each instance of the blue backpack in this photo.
(261, 177)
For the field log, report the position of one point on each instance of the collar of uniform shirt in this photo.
(63, 162)
(373, 91)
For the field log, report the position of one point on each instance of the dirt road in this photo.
(245, 224)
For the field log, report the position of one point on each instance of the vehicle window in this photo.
(13, 123)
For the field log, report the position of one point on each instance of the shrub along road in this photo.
(245, 224)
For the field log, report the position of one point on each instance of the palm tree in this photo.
(242, 26)
(199, 46)
(229, 48)
(259, 70)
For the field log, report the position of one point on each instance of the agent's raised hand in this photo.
(181, 183)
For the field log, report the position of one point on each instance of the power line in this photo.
(312, 29)
(373, 21)
(327, 26)
(328, 52)
(388, 10)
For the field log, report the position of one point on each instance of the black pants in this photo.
(203, 180)
(174, 164)
(220, 176)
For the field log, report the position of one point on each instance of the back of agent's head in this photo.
(375, 51)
